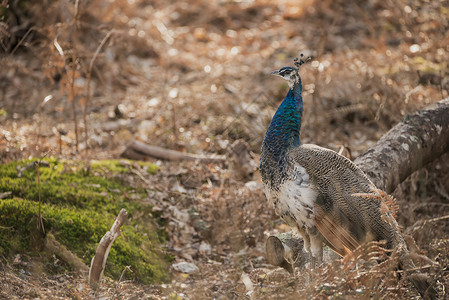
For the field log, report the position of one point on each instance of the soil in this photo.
(193, 77)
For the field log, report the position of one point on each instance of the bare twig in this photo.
(22, 39)
(89, 78)
(138, 173)
(123, 273)
(442, 218)
(120, 279)
(72, 82)
(40, 224)
(99, 260)
(175, 129)
(30, 165)
(60, 51)
(69, 94)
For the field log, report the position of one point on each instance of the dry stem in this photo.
(99, 260)
(40, 224)
(72, 82)
(89, 78)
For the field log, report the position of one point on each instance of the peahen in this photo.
(322, 194)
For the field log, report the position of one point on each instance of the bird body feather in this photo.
(322, 194)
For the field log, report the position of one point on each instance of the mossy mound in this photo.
(80, 201)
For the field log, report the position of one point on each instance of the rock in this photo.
(254, 185)
(205, 248)
(186, 267)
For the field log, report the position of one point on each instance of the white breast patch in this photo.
(297, 196)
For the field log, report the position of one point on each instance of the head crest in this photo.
(299, 61)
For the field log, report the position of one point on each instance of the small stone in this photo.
(253, 186)
(205, 248)
(186, 267)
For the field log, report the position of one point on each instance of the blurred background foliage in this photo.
(192, 75)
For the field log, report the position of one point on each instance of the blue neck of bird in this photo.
(283, 132)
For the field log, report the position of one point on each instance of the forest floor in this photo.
(193, 77)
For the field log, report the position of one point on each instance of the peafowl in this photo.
(322, 194)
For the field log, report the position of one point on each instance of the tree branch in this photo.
(99, 260)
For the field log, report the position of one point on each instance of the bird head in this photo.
(291, 73)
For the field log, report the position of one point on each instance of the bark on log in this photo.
(53, 246)
(99, 260)
(417, 140)
(286, 250)
(139, 148)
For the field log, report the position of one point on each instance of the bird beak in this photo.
(275, 72)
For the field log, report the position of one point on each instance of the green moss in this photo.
(79, 204)
(149, 167)
(120, 166)
(115, 166)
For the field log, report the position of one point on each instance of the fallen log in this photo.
(286, 250)
(416, 141)
(56, 248)
(141, 150)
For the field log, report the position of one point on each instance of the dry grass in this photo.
(193, 77)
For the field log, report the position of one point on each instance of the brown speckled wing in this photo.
(338, 238)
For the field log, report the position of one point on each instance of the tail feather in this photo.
(339, 239)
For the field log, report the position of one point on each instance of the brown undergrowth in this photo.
(193, 77)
